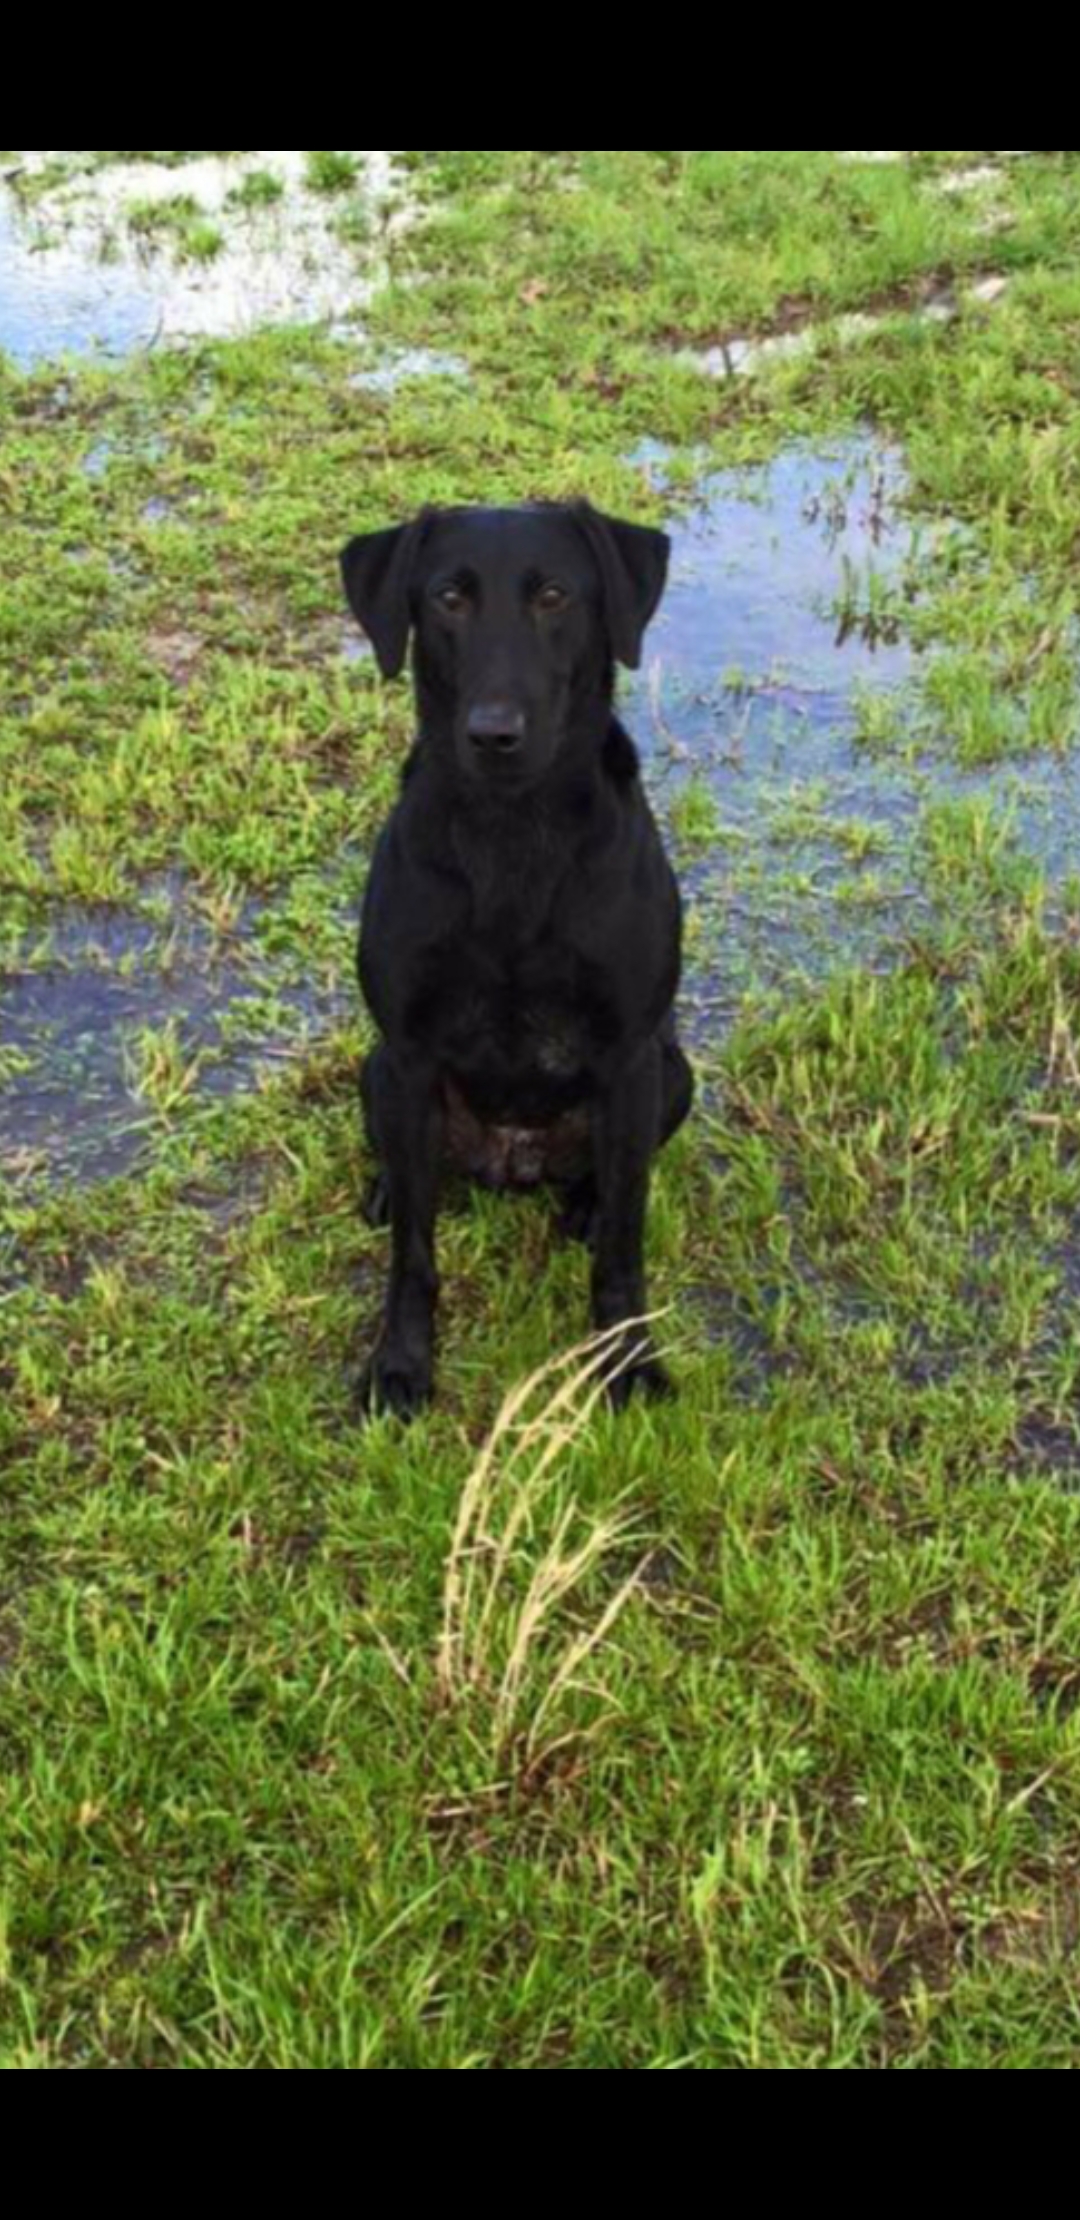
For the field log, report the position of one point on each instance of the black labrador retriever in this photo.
(520, 941)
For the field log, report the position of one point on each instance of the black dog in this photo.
(520, 942)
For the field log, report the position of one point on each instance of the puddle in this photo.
(989, 289)
(96, 462)
(75, 1013)
(95, 266)
(785, 608)
(408, 362)
(747, 357)
(759, 562)
(983, 176)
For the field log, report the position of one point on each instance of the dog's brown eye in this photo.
(452, 600)
(551, 597)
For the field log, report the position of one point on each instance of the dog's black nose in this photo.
(496, 729)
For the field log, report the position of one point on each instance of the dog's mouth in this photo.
(501, 763)
(506, 770)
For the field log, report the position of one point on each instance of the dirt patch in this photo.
(924, 1631)
(11, 1642)
(900, 1949)
(922, 1944)
(177, 654)
(1055, 1685)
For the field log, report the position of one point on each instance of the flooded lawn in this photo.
(781, 640)
(137, 254)
(781, 654)
(781, 646)
(116, 1018)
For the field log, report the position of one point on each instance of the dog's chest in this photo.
(515, 1077)
(513, 879)
(516, 1029)
(510, 1013)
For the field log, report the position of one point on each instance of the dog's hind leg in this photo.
(676, 1084)
(577, 1211)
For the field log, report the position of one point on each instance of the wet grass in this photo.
(116, 256)
(330, 172)
(181, 218)
(813, 1795)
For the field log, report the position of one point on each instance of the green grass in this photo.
(328, 172)
(179, 220)
(260, 189)
(695, 816)
(813, 1798)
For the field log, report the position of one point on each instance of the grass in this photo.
(329, 172)
(259, 189)
(742, 1732)
(180, 220)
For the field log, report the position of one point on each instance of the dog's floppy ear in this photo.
(633, 562)
(378, 569)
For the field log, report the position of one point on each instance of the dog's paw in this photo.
(375, 1207)
(391, 1386)
(643, 1375)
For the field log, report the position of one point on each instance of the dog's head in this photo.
(517, 617)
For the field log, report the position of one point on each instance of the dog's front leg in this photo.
(626, 1130)
(408, 1114)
